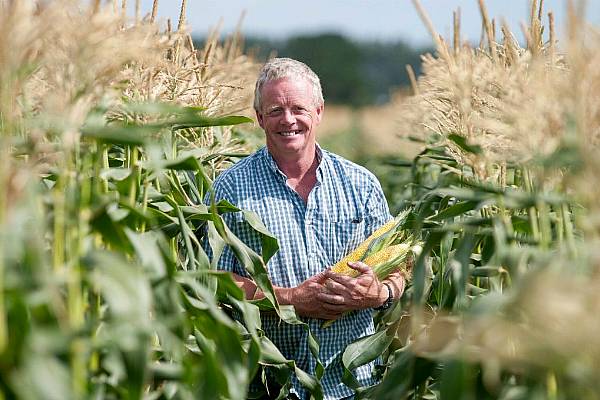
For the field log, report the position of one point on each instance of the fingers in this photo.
(361, 267)
(366, 278)
(341, 279)
(334, 287)
(328, 298)
(333, 303)
(332, 311)
(321, 276)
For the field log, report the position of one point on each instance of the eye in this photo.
(299, 110)
(274, 112)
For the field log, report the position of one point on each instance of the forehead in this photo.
(286, 91)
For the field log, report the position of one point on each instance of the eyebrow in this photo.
(292, 106)
(271, 109)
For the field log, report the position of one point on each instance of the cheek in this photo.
(310, 121)
(270, 126)
(265, 123)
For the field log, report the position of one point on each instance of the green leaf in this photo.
(398, 380)
(363, 351)
(192, 120)
(147, 251)
(132, 135)
(461, 275)
(486, 271)
(112, 232)
(256, 268)
(457, 381)
(231, 358)
(42, 377)
(117, 174)
(455, 210)
(421, 270)
(269, 243)
(124, 286)
(271, 355)
(186, 234)
(184, 163)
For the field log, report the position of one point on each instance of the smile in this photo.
(290, 133)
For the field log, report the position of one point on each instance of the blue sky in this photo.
(359, 19)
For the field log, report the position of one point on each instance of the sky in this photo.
(385, 20)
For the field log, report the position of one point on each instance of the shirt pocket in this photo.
(341, 236)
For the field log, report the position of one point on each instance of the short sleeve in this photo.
(377, 212)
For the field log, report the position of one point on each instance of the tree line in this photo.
(355, 73)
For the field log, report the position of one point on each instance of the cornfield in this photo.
(112, 130)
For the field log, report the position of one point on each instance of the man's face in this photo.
(289, 116)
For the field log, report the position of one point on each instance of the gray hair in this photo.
(278, 68)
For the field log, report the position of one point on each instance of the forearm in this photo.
(303, 297)
(252, 291)
(397, 283)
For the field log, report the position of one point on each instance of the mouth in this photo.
(289, 133)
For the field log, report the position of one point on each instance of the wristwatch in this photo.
(390, 300)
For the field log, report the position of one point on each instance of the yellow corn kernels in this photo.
(387, 254)
(341, 267)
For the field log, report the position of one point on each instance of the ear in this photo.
(319, 113)
(261, 119)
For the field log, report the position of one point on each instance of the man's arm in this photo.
(304, 297)
(397, 283)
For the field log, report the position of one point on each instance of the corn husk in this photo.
(386, 250)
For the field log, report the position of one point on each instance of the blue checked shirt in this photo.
(345, 206)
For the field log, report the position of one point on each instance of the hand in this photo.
(344, 293)
(305, 298)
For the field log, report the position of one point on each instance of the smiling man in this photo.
(320, 206)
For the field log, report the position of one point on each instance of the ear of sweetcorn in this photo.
(397, 257)
(358, 254)
(389, 242)
(388, 249)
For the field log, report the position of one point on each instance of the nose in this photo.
(288, 117)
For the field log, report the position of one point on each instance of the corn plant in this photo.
(107, 154)
(508, 229)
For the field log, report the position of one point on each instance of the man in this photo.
(320, 207)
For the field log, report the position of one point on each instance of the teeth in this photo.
(288, 133)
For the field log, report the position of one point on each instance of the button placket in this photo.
(309, 227)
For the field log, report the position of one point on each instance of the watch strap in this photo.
(390, 300)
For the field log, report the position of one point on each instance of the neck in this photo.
(295, 166)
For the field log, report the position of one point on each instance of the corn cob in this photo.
(385, 261)
(386, 254)
(387, 249)
(398, 257)
(341, 267)
(395, 254)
